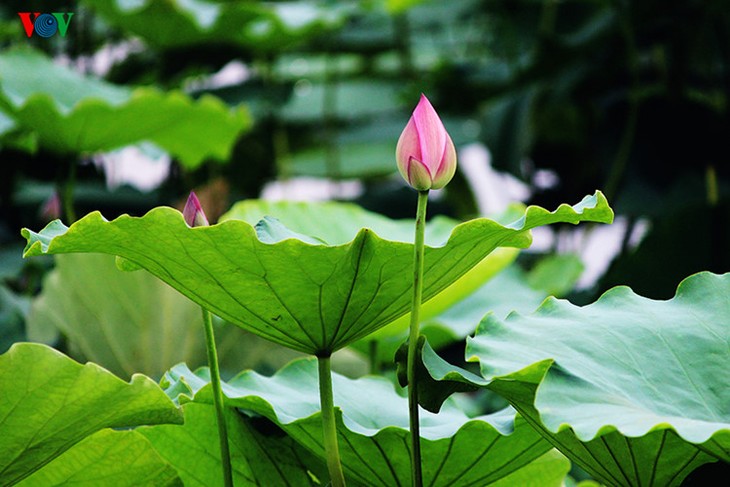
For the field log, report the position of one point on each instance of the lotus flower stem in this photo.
(416, 475)
(329, 425)
(215, 381)
(194, 216)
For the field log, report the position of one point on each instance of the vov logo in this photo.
(46, 25)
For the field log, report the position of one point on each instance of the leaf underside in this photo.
(373, 429)
(313, 298)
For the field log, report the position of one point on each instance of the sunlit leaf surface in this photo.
(50, 403)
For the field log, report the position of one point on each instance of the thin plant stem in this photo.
(215, 380)
(416, 474)
(329, 426)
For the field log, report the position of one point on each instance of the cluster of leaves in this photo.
(590, 388)
(612, 94)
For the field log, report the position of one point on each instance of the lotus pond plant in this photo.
(317, 290)
(194, 216)
(426, 159)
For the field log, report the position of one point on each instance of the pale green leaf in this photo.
(497, 449)
(131, 322)
(125, 456)
(69, 113)
(50, 403)
(635, 391)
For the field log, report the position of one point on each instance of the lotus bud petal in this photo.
(51, 208)
(193, 212)
(425, 153)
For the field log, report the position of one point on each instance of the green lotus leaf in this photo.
(256, 25)
(511, 290)
(633, 390)
(261, 454)
(497, 449)
(50, 403)
(344, 222)
(71, 114)
(125, 456)
(131, 322)
(313, 298)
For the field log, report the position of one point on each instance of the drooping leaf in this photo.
(497, 449)
(50, 403)
(635, 391)
(131, 322)
(125, 456)
(260, 455)
(257, 25)
(69, 113)
(312, 298)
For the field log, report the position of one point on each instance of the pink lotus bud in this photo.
(51, 208)
(193, 212)
(425, 154)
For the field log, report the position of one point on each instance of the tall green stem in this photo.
(416, 475)
(215, 380)
(329, 426)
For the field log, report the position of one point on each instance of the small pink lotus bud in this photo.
(193, 212)
(425, 154)
(51, 208)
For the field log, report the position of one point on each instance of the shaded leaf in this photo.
(69, 113)
(373, 429)
(262, 26)
(633, 390)
(132, 322)
(125, 456)
(50, 403)
(312, 298)
(267, 457)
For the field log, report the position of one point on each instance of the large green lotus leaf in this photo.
(50, 403)
(636, 391)
(311, 297)
(131, 322)
(257, 25)
(498, 449)
(513, 289)
(261, 454)
(344, 222)
(125, 456)
(70, 113)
